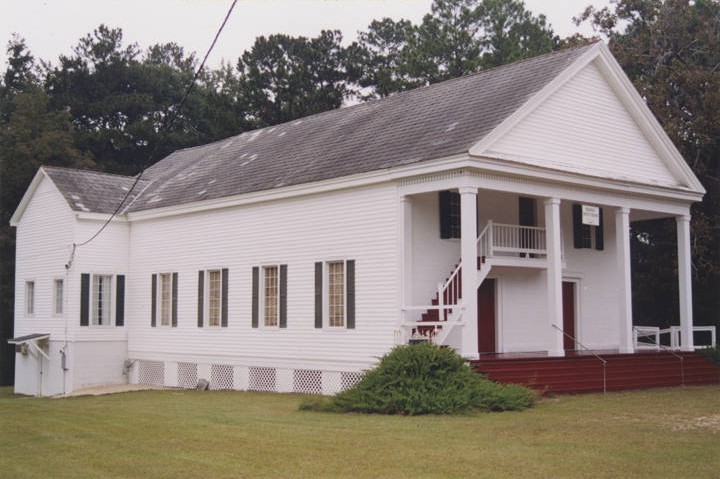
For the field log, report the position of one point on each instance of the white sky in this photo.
(53, 27)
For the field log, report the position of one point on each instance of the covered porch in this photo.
(509, 266)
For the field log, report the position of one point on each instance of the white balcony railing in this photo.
(499, 239)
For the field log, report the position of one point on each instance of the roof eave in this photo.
(29, 192)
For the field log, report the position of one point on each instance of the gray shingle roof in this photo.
(433, 122)
(93, 191)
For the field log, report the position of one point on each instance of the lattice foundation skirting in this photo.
(253, 378)
(151, 373)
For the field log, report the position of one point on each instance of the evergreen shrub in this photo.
(424, 379)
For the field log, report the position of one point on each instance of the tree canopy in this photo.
(112, 106)
(456, 38)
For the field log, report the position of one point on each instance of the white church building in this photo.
(490, 213)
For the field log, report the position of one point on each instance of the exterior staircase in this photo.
(584, 374)
(501, 244)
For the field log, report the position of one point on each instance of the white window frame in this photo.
(327, 296)
(263, 300)
(58, 299)
(208, 298)
(160, 300)
(93, 320)
(30, 298)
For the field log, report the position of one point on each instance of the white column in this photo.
(685, 283)
(624, 285)
(468, 258)
(554, 276)
(406, 255)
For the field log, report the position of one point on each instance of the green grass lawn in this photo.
(190, 434)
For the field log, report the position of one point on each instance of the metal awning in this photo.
(32, 341)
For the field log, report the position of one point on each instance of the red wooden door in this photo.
(486, 316)
(568, 299)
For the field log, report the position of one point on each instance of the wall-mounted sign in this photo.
(591, 215)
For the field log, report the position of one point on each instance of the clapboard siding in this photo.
(521, 302)
(107, 254)
(44, 243)
(584, 128)
(598, 323)
(356, 224)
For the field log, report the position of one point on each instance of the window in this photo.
(29, 298)
(335, 294)
(269, 296)
(164, 299)
(449, 207)
(213, 297)
(587, 227)
(58, 296)
(102, 299)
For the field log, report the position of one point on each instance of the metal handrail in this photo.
(682, 362)
(603, 361)
(670, 350)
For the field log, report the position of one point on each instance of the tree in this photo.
(456, 38)
(283, 78)
(126, 105)
(512, 33)
(670, 50)
(378, 54)
(21, 73)
(34, 135)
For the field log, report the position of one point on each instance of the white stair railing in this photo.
(494, 239)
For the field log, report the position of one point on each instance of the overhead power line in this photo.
(173, 117)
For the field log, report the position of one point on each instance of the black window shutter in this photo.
(255, 296)
(174, 299)
(120, 300)
(283, 296)
(350, 297)
(444, 208)
(526, 211)
(599, 234)
(577, 226)
(318, 295)
(224, 305)
(84, 299)
(153, 301)
(201, 294)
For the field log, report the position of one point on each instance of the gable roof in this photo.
(464, 115)
(83, 190)
(437, 121)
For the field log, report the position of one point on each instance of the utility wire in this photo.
(174, 115)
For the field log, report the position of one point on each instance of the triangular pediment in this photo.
(591, 122)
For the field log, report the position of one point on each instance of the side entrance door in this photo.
(568, 300)
(486, 316)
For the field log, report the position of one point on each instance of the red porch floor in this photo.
(583, 373)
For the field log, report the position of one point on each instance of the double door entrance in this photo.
(487, 320)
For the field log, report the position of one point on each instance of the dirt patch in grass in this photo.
(710, 423)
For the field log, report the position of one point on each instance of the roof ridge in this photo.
(492, 70)
(412, 91)
(88, 171)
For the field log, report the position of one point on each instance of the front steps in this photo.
(584, 374)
